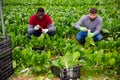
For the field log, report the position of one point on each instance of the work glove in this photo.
(91, 34)
(36, 27)
(45, 30)
(83, 28)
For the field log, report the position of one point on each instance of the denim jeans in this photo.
(37, 33)
(82, 34)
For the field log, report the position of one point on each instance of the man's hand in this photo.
(45, 30)
(36, 27)
(91, 34)
(83, 28)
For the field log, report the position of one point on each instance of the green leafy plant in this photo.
(89, 41)
(68, 60)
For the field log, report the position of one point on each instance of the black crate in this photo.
(70, 73)
(6, 73)
(5, 53)
(6, 68)
(67, 73)
(5, 43)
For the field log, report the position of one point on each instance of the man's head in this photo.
(40, 13)
(93, 13)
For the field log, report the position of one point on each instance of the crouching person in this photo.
(40, 23)
(91, 22)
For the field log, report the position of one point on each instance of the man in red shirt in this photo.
(40, 23)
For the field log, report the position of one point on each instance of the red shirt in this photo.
(34, 20)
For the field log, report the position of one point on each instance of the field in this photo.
(100, 60)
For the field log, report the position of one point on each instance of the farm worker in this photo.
(40, 23)
(91, 22)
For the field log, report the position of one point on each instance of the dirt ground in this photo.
(82, 78)
(31, 78)
(23, 78)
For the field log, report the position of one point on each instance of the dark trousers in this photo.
(38, 33)
(82, 34)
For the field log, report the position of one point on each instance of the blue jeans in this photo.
(82, 34)
(38, 33)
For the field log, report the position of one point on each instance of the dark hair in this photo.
(93, 10)
(40, 10)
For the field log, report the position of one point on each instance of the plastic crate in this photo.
(6, 68)
(5, 43)
(6, 73)
(67, 73)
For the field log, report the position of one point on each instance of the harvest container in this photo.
(6, 68)
(67, 73)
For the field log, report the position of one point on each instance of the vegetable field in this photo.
(101, 59)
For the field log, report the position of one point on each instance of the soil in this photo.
(83, 78)
(23, 78)
(30, 78)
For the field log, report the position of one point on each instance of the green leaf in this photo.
(49, 54)
(41, 37)
(105, 30)
(14, 64)
(76, 55)
(112, 61)
(89, 78)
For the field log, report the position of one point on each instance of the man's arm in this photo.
(99, 27)
(30, 28)
(50, 24)
(31, 24)
(79, 23)
(51, 27)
